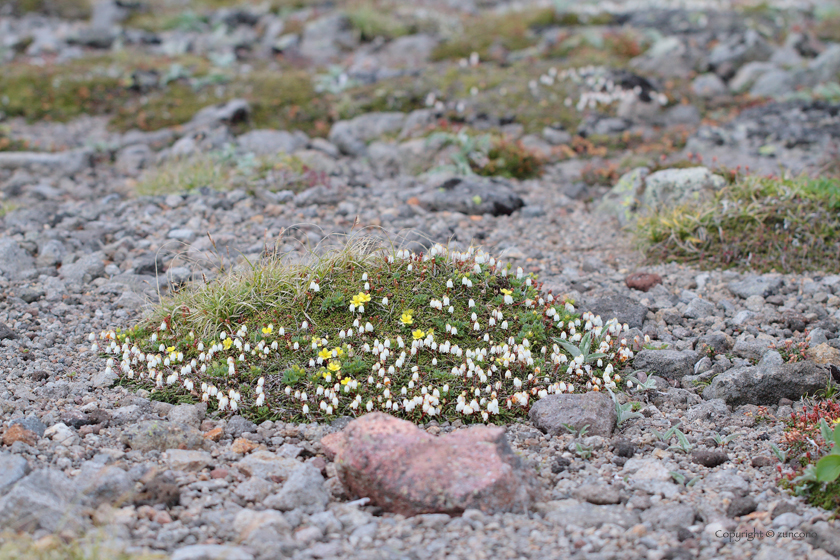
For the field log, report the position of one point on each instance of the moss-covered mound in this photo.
(446, 334)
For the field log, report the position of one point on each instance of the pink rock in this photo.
(405, 470)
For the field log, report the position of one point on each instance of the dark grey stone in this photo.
(767, 384)
(670, 364)
(616, 306)
(473, 196)
(577, 410)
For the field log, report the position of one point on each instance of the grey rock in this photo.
(85, 270)
(708, 85)
(352, 136)
(189, 460)
(824, 535)
(755, 286)
(267, 465)
(271, 142)
(598, 494)
(623, 198)
(14, 261)
(699, 309)
(323, 38)
(31, 423)
(742, 505)
(212, 552)
(320, 195)
(556, 136)
(182, 234)
(730, 55)
(6, 333)
(303, 490)
(622, 308)
(714, 410)
(790, 520)
(188, 414)
(133, 158)
(667, 57)
(670, 364)
(255, 489)
(671, 186)
(237, 426)
(709, 458)
(69, 163)
(12, 469)
(229, 112)
(473, 196)
(752, 349)
(727, 481)
(104, 378)
(748, 74)
(775, 83)
(767, 384)
(41, 500)
(826, 66)
(717, 341)
(577, 410)
(669, 517)
(109, 484)
(50, 253)
(586, 515)
(161, 435)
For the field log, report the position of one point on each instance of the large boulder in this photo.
(14, 260)
(351, 137)
(670, 364)
(43, 500)
(678, 186)
(408, 471)
(473, 196)
(768, 382)
(266, 142)
(553, 413)
(617, 306)
(161, 435)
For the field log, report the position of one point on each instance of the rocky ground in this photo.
(82, 252)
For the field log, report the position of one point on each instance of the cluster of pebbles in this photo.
(80, 253)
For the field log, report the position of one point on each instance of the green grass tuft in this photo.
(284, 328)
(756, 223)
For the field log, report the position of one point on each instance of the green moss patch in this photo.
(364, 327)
(224, 171)
(756, 223)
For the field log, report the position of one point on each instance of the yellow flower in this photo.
(836, 421)
(418, 334)
(227, 343)
(360, 299)
(268, 329)
(345, 381)
(324, 354)
(335, 365)
(406, 318)
(507, 292)
(338, 351)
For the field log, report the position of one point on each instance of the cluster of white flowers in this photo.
(410, 368)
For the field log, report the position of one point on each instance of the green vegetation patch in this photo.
(14, 546)
(488, 155)
(68, 9)
(227, 170)
(362, 327)
(757, 223)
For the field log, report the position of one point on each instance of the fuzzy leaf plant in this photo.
(367, 327)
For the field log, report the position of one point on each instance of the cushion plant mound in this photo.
(446, 334)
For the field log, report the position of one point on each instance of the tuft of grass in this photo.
(372, 21)
(488, 155)
(15, 546)
(361, 326)
(511, 31)
(226, 170)
(67, 9)
(756, 223)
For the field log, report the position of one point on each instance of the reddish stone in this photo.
(215, 434)
(16, 432)
(318, 463)
(219, 473)
(405, 470)
(242, 445)
(642, 281)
